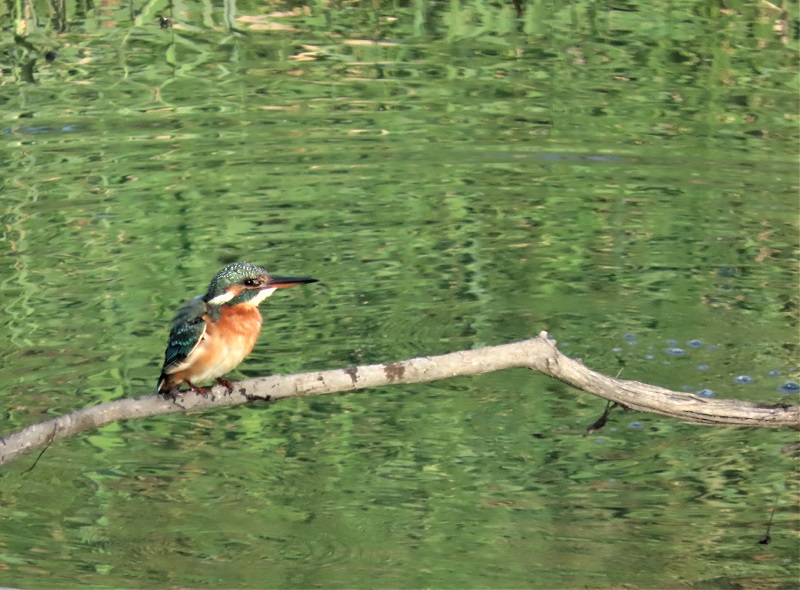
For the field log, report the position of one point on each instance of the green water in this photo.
(624, 176)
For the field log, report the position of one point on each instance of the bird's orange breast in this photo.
(225, 344)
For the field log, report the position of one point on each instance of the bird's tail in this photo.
(164, 384)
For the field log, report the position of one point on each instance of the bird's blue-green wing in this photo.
(188, 329)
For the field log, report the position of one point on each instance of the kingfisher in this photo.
(212, 333)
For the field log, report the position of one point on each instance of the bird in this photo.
(212, 333)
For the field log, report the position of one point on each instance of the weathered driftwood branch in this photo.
(539, 354)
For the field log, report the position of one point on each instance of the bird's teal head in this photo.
(242, 282)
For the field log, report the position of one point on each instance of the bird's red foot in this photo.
(202, 391)
(226, 384)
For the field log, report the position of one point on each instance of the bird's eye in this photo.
(250, 282)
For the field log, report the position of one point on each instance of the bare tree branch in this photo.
(539, 354)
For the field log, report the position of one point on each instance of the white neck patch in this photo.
(224, 298)
(228, 295)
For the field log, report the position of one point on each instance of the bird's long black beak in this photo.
(281, 282)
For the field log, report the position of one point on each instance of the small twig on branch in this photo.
(539, 354)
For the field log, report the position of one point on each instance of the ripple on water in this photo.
(699, 350)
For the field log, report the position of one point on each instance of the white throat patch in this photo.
(261, 296)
